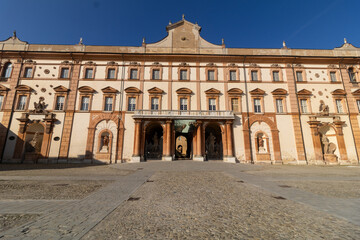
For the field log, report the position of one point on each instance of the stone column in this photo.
(340, 139)
(167, 156)
(136, 153)
(230, 155)
(199, 156)
(316, 138)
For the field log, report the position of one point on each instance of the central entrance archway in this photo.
(184, 130)
(213, 142)
(153, 142)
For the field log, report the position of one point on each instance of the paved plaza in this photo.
(179, 200)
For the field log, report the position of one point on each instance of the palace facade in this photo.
(179, 98)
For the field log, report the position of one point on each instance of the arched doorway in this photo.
(33, 142)
(213, 142)
(153, 147)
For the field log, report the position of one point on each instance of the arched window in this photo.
(7, 70)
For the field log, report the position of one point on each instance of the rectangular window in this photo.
(22, 102)
(154, 103)
(89, 73)
(156, 74)
(212, 104)
(28, 72)
(60, 103)
(211, 75)
(85, 103)
(232, 75)
(133, 74)
(108, 104)
(131, 104)
(352, 75)
(111, 73)
(333, 76)
(1, 101)
(64, 73)
(358, 105)
(339, 107)
(257, 105)
(303, 105)
(279, 106)
(254, 76)
(235, 104)
(183, 104)
(183, 74)
(299, 76)
(276, 76)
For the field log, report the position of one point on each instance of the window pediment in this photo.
(86, 89)
(61, 89)
(279, 91)
(184, 91)
(3, 88)
(357, 92)
(155, 90)
(212, 91)
(235, 91)
(304, 92)
(24, 88)
(109, 90)
(339, 92)
(257, 91)
(133, 90)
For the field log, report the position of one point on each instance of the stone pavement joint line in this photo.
(75, 219)
(31, 206)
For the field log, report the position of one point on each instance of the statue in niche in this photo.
(40, 106)
(261, 143)
(210, 141)
(34, 144)
(328, 147)
(105, 144)
(323, 109)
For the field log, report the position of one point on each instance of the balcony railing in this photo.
(187, 114)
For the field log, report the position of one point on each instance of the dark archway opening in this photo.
(213, 142)
(153, 142)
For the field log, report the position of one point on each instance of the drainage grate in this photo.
(240, 181)
(280, 198)
(133, 198)
(285, 186)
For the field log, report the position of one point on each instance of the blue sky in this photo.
(313, 24)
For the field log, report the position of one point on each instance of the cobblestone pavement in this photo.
(204, 205)
(190, 200)
(48, 189)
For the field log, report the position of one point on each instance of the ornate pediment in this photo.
(61, 89)
(14, 40)
(184, 91)
(356, 92)
(86, 89)
(279, 91)
(24, 88)
(155, 90)
(3, 88)
(235, 91)
(338, 92)
(212, 91)
(257, 91)
(132, 90)
(109, 90)
(304, 92)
